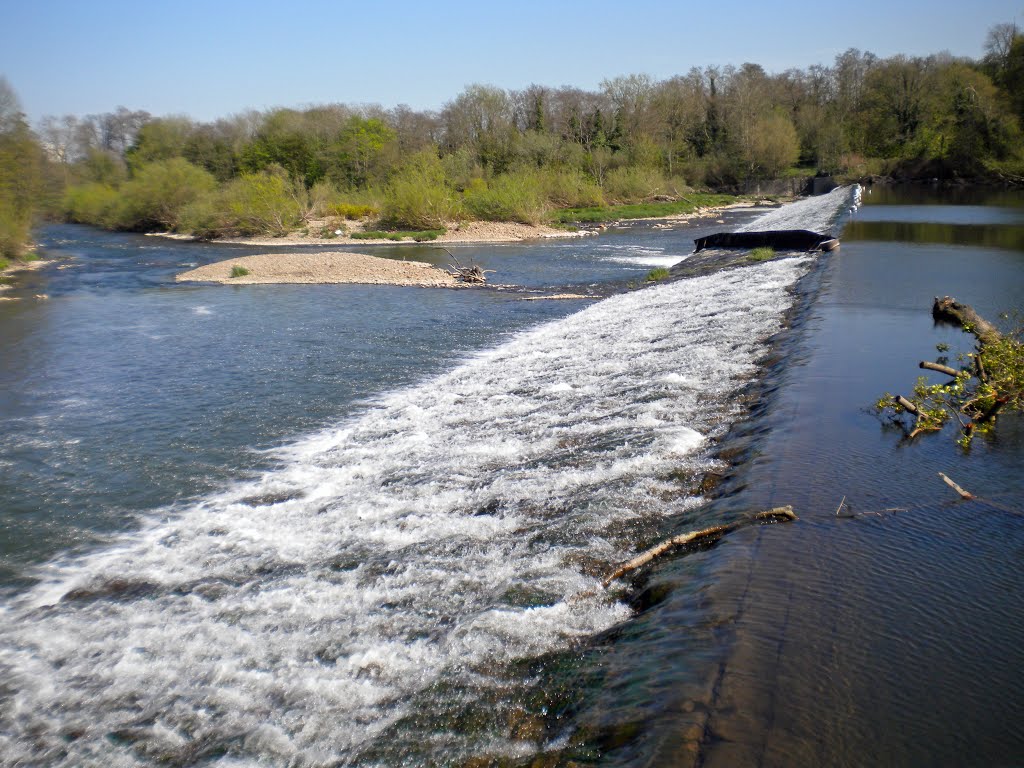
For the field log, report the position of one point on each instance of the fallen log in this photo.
(715, 532)
(997, 364)
(948, 309)
(938, 367)
(967, 495)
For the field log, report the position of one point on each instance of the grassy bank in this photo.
(655, 210)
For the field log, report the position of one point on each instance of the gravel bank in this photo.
(322, 267)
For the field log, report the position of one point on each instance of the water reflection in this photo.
(984, 236)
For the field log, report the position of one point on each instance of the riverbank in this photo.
(321, 232)
(14, 267)
(464, 232)
(322, 267)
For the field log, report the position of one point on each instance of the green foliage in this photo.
(569, 188)
(4, 263)
(92, 203)
(359, 153)
(157, 195)
(20, 175)
(419, 237)
(972, 401)
(418, 198)
(515, 196)
(765, 253)
(352, 211)
(103, 167)
(159, 139)
(286, 139)
(239, 271)
(658, 273)
(643, 211)
(254, 204)
(633, 184)
(773, 146)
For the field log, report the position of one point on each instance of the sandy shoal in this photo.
(322, 267)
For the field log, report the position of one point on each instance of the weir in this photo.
(401, 559)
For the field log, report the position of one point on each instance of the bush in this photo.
(92, 203)
(762, 254)
(159, 192)
(352, 211)
(418, 198)
(570, 189)
(516, 196)
(629, 185)
(325, 200)
(239, 271)
(263, 203)
(4, 263)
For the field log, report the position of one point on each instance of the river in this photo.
(348, 525)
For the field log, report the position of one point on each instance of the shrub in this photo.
(516, 196)
(762, 254)
(570, 189)
(262, 203)
(325, 200)
(158, 193)
(418, 198)
(92, 203)
(627, 185)
(352, 211)
(4, 263)
(239, 271)
(418, 203)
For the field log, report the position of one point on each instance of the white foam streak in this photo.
(818, 214)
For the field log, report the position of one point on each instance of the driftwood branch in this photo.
(938, 367)
(471, 274)
(715, 532)
(963, 494)
(906, 405)
(950, 310)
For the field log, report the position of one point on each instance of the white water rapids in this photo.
(434, 537)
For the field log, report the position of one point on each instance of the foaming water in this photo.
(438, 534)
(398, 561)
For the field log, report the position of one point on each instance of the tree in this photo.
(20, 176)
(481, 118)
(773, 146)
(998, 48)
(159, 139)
(894, 101)
(358, 152)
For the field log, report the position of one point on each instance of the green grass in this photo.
(419, 237)
(4, 263)
(658, 273)
(237, 271)
(642, 210)
(761, 254)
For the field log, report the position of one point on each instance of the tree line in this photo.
(492, 153)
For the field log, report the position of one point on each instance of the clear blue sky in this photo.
(212, 59)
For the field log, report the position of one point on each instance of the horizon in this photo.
(211, 63)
